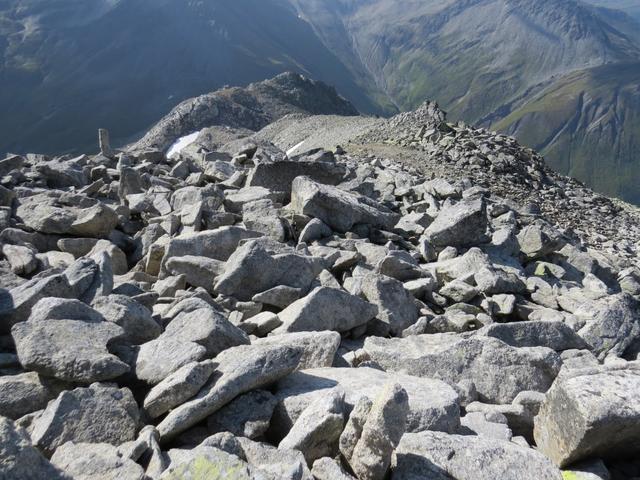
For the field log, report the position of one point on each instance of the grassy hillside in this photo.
(587, 124)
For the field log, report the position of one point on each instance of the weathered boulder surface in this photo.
(453, 358)
(591, 413)
(439, 456)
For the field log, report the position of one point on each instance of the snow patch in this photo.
(293, 149)
(181, 143)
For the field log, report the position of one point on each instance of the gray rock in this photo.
(339, 209)
(66, 214)
(396, 307)
(240, 369)
(257, 266)
(611, 324)
(486, 425)
(318, 348)
(52, 348)
(198, 271)
(178, 387)
(22, 260)
(459, 225)
(381, 432)
(326, 309)
(273, 463)
(439, 456)
(217, 244)
(353, 429)
(134, 318)
(96, 414)
(433, 404)
(191, 336)
(591, 413)
(205, 462)
(316, 229)
(453, 358)
(235, 200)
(246, 416)
(317, 430)
(278, 176)
(264, 216)
(95, 461)
(326, 468)
(281, 296)
(557, 336)
(20, 459)
(588, 470)
(25, 393)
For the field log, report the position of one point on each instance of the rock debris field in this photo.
(231, 312)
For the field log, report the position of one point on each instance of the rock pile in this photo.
(235, 313)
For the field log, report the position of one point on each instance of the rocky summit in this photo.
(306, 295)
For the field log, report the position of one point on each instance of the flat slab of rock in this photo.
(96, 414)
(326, 309)
(557, 336)
(259, 266)
(240, 369)
(25, 393)
(454, 358)
(459, 225)
(339, 209)
(90, 461)
(439, 456)
(318, 348)
(51, 348)
(433, 405)
(66, 214)
(591, 413)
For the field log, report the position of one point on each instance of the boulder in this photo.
(326, 468)
(191, 336)
(134, 318)
(382, 429)
(240, 369)
(20, 459)
(440, 456)
(316, 431)
(318, 348)
(91, 461)
(555, 335)
(396, 307)
(259, 266)
(339, 209)
(66, 214)
(326, 309)
(278, 176)
(205, 462)
(462, 224)
(178, 387)
(432, 403)
(70, 350)
(25, 393)
(198, 271)
(247, 416)
(99, 413)
(591, 413)
(453, 358)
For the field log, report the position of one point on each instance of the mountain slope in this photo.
(68, 67)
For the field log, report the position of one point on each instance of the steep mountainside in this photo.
(68, 67)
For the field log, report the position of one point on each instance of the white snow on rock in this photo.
(181, 143)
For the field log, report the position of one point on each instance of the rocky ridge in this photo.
(236, 311)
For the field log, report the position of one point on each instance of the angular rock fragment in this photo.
(433, 405)
(396, 307)
(453, 358)
(591, 413)
(326, 309)
(25, 393)
(317, 430)
(258, 266)
(100, 413)
(246, 416)
(51, 348)
(337, 208)
(459, 225)
(440, 456)
(89, 461)
(20, 459)
(239, 370)
(557, 336)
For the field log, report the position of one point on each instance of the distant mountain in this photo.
(68, 67)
